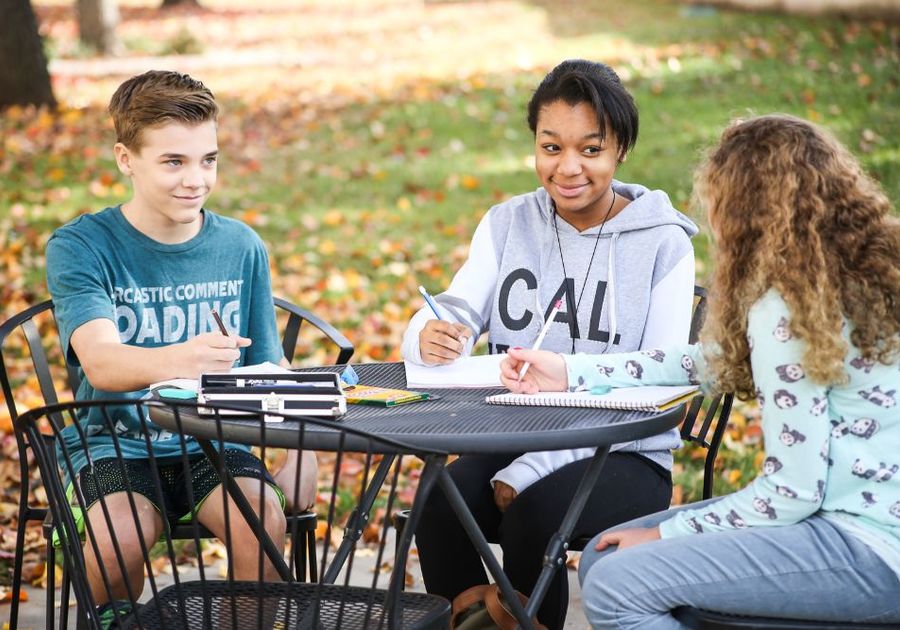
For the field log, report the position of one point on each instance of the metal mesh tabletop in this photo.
(457, 420)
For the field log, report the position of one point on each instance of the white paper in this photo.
(480, 371)
(193, 384)
(260, 368)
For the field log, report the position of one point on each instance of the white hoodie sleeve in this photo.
(671, 307)
(467, 300)
(668, 324)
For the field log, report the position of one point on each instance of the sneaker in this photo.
(111, 614)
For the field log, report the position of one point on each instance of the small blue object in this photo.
(349, 376)
(176, 394)
(599, 390)
(430, 301)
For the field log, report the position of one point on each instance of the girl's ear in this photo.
(623, 157)
(123, 159)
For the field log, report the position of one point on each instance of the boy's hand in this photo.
(547, 372)
(209, 352)
(443, 342)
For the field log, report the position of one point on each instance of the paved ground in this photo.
(31, 615)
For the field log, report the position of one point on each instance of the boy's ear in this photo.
(123, 159)
(623, 157)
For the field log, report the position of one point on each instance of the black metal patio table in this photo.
(457, 421)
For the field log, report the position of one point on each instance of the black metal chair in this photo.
(291, 332)
(56, 378)
(243, 595)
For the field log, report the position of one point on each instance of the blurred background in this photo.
(364, 139)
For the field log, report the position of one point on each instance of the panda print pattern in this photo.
(819, 446)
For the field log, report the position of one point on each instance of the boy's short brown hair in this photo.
(155, 98)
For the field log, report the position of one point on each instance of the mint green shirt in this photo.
(832, 451)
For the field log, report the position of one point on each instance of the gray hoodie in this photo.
(636, 293)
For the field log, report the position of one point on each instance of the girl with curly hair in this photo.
(804, 316)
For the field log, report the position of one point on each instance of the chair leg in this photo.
(51, 588)
(311, 546)
(19, 559)
(64, 594)
(398, 520)
(298, 551)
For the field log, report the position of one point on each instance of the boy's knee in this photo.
(122, 521)
(272, 516)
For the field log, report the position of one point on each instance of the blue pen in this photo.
(430, 301)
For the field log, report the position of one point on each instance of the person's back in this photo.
(134, 288)
(861, 488)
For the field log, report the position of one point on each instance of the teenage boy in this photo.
(134, 287)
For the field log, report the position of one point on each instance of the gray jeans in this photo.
(809, 570)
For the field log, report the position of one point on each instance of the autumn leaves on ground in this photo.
(364, 139)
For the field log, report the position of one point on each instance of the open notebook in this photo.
(477, 371)
(647, 398)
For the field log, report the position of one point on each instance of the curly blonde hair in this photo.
(793, 210)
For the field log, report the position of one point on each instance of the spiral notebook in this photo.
(649, 398)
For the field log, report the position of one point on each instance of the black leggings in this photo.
(630, 486)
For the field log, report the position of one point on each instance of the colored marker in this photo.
(430, 301)
(541, 335)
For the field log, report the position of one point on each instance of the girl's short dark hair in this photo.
(577, 81)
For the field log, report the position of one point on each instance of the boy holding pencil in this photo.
(137, 288)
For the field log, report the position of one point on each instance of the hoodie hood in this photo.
(648, 209)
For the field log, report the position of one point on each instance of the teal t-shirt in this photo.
(100, 266)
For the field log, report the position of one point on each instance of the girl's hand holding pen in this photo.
(442, 342)
(547, 372)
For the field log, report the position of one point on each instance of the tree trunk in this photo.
(179, 3)
(24, 79)
(97, 21)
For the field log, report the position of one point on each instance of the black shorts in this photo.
(108, 476)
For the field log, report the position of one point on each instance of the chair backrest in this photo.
(207, 591)
(295, 318)
(22, 343)
(707, 433)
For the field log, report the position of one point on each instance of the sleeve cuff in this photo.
(517, 475)
(672, 528)
(578, 367)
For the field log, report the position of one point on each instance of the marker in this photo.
(430, 301)
(219, 322)
(541, 335)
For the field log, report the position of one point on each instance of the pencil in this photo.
(541, 335)
(219, 322)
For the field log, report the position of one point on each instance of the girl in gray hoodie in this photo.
(619, 257)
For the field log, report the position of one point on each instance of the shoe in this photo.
(111, 614)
